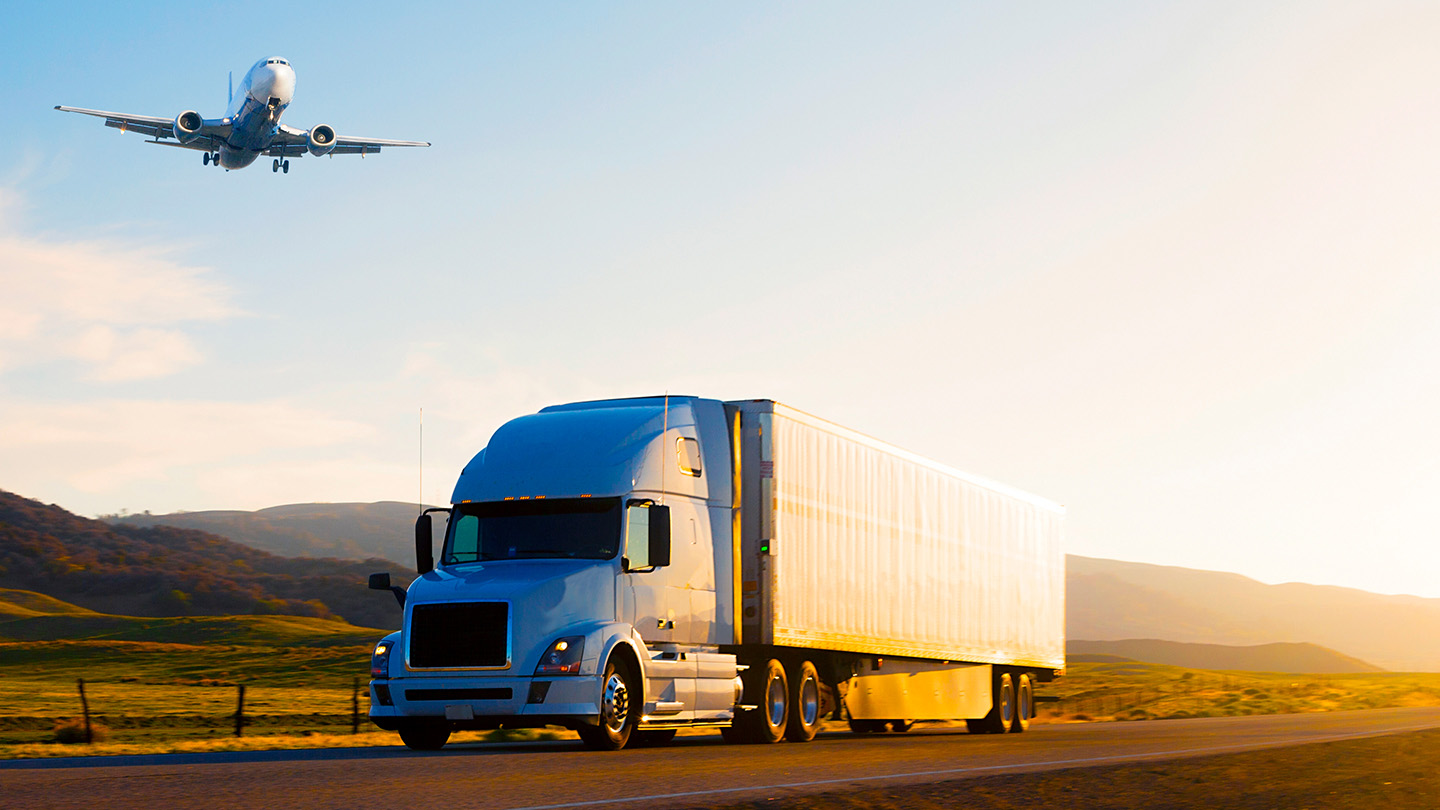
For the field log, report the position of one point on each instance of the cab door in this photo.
(643, 588)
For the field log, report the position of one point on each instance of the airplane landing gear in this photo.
(285, 167)
(280, 166)
(206, 159)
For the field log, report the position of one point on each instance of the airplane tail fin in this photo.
(230, 96)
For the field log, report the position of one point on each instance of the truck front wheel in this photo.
(619, 709)
(423, 735)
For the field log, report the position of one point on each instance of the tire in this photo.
(620, 705)
(650, 739)
(766, 723)
(421, 735)
(901, 726)
(1002, 708)
(805, 718)
(1024, 703)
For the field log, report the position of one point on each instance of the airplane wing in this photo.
(292, 142)
(211, 132)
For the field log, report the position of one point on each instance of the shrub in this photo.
(73, 731)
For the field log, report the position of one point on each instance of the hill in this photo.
(1110, 600)
(1278, 657)
(351, 531)
(161, 571)
(1107, 600)
(24, 604)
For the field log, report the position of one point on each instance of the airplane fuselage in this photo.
(255, 110)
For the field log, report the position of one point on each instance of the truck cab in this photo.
(576, 585)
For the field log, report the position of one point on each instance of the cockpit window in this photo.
(564, 528)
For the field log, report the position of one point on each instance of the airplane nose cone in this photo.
(274, 81)
(284, 83)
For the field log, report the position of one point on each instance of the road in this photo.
(691, 772)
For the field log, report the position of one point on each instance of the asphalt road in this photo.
(691, 772)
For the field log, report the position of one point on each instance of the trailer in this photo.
(628, 568)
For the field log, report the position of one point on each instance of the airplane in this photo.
(251, 126)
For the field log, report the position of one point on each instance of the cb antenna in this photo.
(664, 435)
(421, 502)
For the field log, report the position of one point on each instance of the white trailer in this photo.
(632, 567)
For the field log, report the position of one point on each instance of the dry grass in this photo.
(158, 697)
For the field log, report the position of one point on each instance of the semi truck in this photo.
(628, 568)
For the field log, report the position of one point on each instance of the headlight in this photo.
(563, 657)
(380, 661)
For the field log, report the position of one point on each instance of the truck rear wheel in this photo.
(771, 689)
(805, 718)
(619, 709)
(1024, 703)
(1002, 711)
(422, 735)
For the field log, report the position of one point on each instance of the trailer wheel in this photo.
(421, 735)
(1002, 710)
(1024, 703)
(804, 705)
(619, 710)
(765, 723)
(901, 726)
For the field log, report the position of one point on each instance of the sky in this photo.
(1173, 265)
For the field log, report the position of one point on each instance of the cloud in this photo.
(111, 446)
(111, 307)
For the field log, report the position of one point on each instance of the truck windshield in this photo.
(566, 528)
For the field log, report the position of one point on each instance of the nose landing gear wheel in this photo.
(206, 159)
(275, 165)
(285, 167)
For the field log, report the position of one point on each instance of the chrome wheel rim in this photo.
(615, 706)
(1007, 702)
(775, 700)
(809, 702)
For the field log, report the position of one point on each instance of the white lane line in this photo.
(977, 769)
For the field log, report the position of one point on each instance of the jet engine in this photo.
(187, 126)
(321, 140)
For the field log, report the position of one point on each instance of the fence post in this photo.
(355, 707)
(85, 710)
(240, 710)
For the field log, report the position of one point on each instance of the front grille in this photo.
(460, 635)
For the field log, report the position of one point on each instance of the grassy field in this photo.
(1136, 691)
(170, 684)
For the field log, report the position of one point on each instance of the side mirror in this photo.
(659, 536)
(424, 551)
(381, 582)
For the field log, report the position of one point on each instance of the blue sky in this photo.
(1171, 264)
